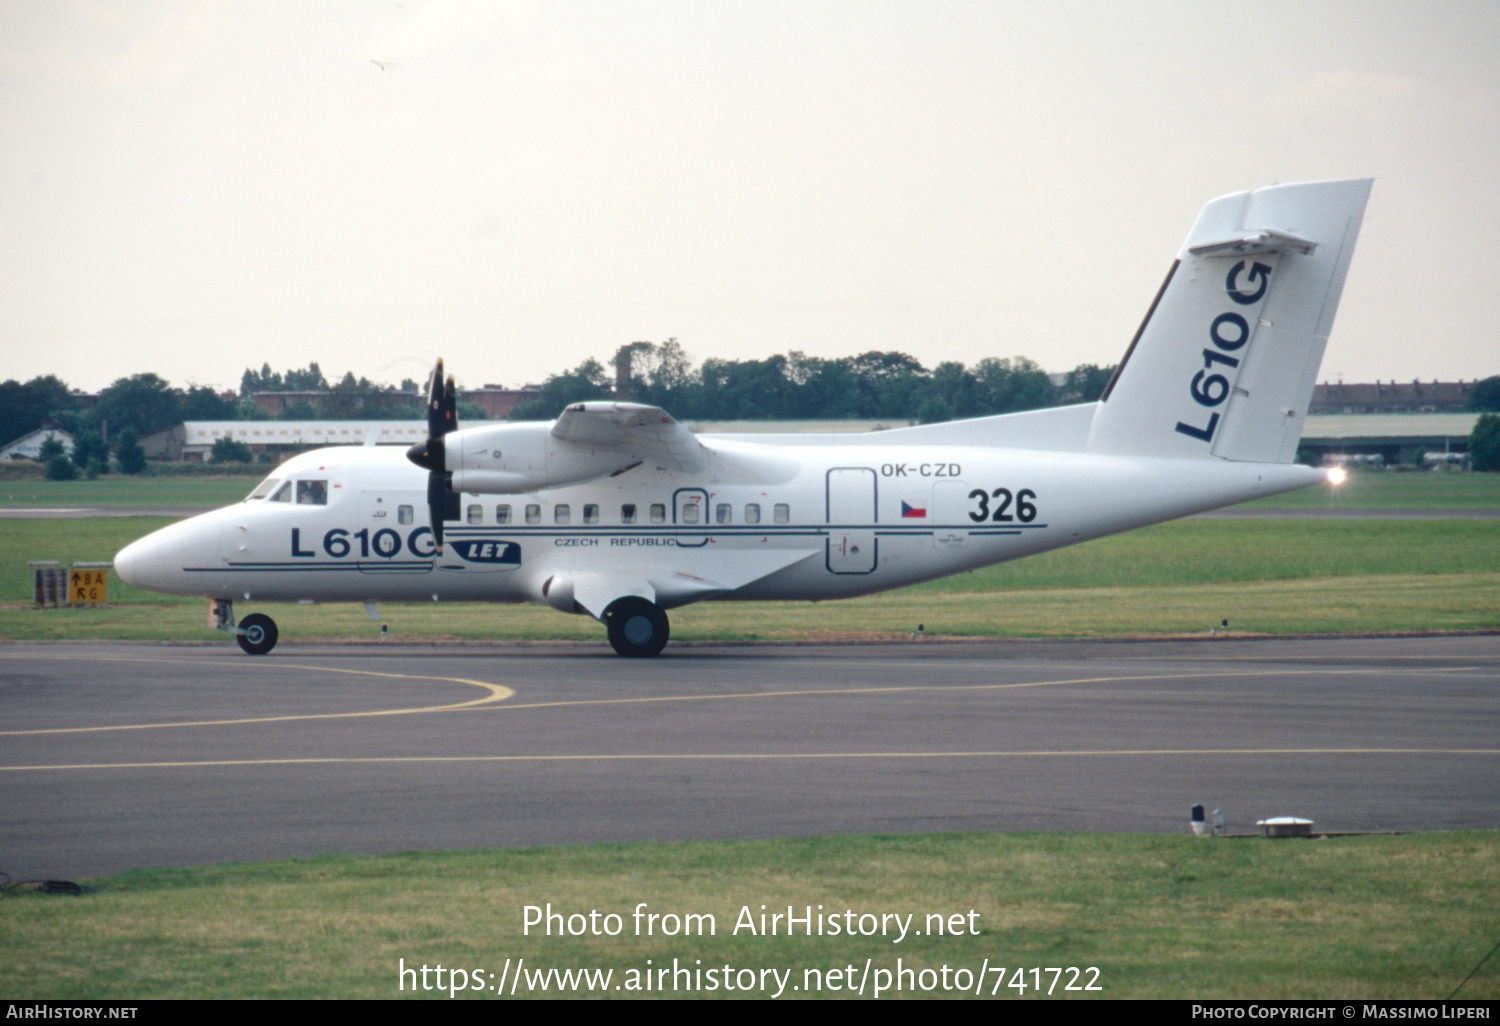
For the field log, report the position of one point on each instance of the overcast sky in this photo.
(191, 188)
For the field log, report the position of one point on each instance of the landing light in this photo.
(1337, 476)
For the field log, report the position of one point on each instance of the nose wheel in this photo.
(257, 634)
(638, 629)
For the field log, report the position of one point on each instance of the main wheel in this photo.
(637, 628)
(260, 634)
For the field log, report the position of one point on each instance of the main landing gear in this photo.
(256, 633)
(637, 628)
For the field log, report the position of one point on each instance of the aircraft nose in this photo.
(154, 562)
(131, 563)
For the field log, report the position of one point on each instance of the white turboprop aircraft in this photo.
(617, 511)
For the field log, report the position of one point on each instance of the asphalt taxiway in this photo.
(120, 756)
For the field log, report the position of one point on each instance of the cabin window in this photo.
(591, 513)
(627, 513)
(752, 513)
(690, 513)
(312, 493)
(562, 513)
(283, 494)
(404, 514)
(723, 513)
(476, 513)
(264, 488)
(658, 513)
(533, 513)
(502, 513)
(783, 513)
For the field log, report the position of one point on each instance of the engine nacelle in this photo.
(557, 592)
(512, 459)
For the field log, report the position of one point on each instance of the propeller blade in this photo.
(432, 454)
(442, 505)
(442, 409)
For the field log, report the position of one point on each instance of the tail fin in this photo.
(1225, 361)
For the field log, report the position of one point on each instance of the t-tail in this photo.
(1224, 363)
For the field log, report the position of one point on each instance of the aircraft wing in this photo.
(633, 429)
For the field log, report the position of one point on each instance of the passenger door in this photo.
(852, 512)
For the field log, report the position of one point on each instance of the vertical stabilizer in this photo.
(1225, 361)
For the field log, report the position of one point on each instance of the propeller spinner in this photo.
(431, 455)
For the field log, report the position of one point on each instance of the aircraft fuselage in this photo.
(757, 524)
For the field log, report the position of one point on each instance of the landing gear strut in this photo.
(637, 628)
(256, 633)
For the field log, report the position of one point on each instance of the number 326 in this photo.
(1025, 508)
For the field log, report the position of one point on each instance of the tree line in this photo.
(795, 386)
(874, 385)
(146, 402)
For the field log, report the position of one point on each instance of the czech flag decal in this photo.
(912, 511)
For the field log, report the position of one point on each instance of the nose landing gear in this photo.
(257, 634)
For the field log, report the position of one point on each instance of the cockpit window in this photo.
(312, 493)
(264, 488)
(283, 494)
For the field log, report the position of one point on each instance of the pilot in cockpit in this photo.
(312, 493)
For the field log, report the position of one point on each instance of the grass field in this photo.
(118, 490)
(1159, 916)
(1385, 490)
(1264, 576)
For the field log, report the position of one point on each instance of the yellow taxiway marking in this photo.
(494, 693)
(790, 756)
(1297, 658)
(499, 693)
(513, 706)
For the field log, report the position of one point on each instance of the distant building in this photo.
(1394, 437)
(29, 447)
(1392, 397)
(194, 440)
(497, 401)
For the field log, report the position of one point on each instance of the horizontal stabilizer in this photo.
(1267, 240)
